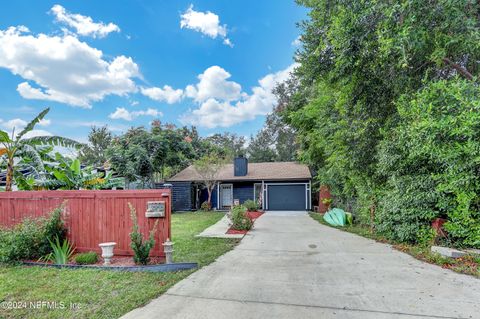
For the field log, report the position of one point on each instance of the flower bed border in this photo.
(147, 268)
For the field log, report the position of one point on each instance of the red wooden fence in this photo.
(93, 217)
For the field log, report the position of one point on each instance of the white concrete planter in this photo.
(107, 252)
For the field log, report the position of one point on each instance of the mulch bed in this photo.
(117, 261)
(231, 231)
(128, 261)
(253, 216)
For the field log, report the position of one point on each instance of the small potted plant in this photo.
(327, 202)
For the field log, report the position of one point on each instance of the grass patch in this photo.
(469, 265)
(107, 294)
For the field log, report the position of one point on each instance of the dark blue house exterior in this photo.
(273, 185)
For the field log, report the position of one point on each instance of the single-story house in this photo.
(274, 185)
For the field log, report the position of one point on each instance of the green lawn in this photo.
(107, 294)
(469, 265)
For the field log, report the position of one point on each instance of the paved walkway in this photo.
(219, 230)
(290, 266)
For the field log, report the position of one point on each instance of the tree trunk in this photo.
(460, 69)
(9, 181)
(209, 199)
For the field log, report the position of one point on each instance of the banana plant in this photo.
(66, 173)
(30, 170)
(12, 146)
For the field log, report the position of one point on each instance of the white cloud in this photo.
(215, 112)
(17, 124)
(64, 69)
(124, 114)
(213, 84)
(208, 23)
(83, 25)
(227, 41)
(167, 94)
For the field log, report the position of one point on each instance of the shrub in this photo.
(251, 205)
(409, 204)
(463, 225)
(239, 218)
(31, 238)
(205, 206)
(426, 237)
(21, 241)
(141, 247)
(430, 162)
(54, 227)
(61, 253)
(86, 258)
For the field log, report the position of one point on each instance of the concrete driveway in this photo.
(290, 266)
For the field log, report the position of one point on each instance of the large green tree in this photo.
(275, 142)
(149, 156)
(227, 143)
(94, 153)
(361, 60)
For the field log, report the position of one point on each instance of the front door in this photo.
(226, 195)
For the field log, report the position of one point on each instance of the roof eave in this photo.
(246, 179)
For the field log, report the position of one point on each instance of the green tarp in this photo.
(335, 217)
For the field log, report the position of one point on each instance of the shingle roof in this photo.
(256, 171)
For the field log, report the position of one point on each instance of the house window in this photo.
(257, 193)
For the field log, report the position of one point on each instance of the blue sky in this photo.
(125, 63)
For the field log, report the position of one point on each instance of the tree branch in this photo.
(460, 69)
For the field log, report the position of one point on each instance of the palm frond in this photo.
(4, 138)
(30, 126)
(54, 141)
